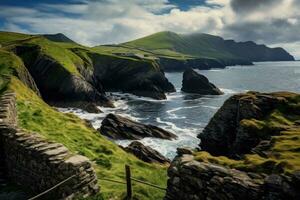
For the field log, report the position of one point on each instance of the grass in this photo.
(9, 64)
(108, 159)
(197, 45)
(282, 124)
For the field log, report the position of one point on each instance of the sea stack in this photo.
(193, 82)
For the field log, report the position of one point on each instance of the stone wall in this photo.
(37, 164)
(193, 180)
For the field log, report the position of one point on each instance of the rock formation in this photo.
(193, 82)
(139, 77)
(117, 127)
(227, 132)
(55, 83)
(249, 148)
(146, 153)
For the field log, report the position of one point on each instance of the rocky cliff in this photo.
(249, 150)
(139, 77)
(55, 82)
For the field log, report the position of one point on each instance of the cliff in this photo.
(249, 150)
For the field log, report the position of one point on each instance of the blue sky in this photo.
(92, 22)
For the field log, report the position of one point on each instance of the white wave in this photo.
(211, 107)
(229, 91)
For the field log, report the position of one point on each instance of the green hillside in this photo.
(202, 45)
(35, 115)
(198, 45)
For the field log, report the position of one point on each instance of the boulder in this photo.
(193, 82)
(145, 153)
(117, 127)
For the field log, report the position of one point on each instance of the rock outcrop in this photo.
(193, 180)
(193, 82)
(145, 153)
(227, 132)
(139, 77)
(117, 127)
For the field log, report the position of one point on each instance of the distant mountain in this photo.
(209, 46)
(59, 37)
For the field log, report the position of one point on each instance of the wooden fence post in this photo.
(128, 182)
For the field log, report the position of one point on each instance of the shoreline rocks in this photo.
(193, 82)
(118, 127)
(145, 153)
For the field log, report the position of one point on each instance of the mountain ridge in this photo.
(209, 46)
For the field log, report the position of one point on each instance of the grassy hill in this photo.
(200, 45)
(207, 46)
(35, 115)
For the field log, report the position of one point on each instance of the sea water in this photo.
(187, 114)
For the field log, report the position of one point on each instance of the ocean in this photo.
(187, 114)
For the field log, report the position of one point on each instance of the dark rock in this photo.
(225, 135)
(145, 153)
(117, 127)
(181, 151)
(196, 83)
(139, 77)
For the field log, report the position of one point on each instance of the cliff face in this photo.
(249, 150)
(57, 84)
(139, 77)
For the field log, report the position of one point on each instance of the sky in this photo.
(94, 22)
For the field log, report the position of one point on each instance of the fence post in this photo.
(128, 182)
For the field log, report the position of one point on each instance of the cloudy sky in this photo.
(92, 22)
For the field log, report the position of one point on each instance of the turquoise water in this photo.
(186, 114)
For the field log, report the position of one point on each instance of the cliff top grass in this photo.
(108, 159)
(283, 124)
(9, 63)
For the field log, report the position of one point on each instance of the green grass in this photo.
(7, 38)
(9, 65)
(109, 160)
(283, 126)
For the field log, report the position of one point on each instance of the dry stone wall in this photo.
(37, 164)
